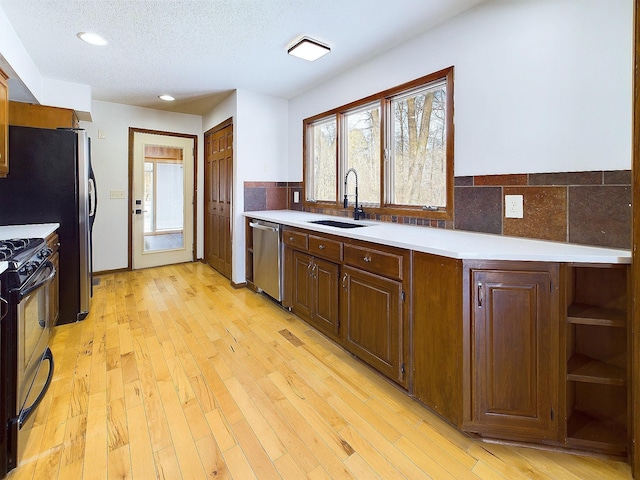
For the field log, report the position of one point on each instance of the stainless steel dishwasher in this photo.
(267, 258)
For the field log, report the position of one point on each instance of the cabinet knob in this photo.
(291, 239)
(367, 258)
(321, 247)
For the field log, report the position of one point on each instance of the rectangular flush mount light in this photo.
(308, 49)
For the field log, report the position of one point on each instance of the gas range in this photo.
(24, 257)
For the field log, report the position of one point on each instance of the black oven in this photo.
(26, 362)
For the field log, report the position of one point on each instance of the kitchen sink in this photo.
(338, 223)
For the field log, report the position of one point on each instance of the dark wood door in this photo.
(514, 350)
(325, 297)
(372, 320)
(218, 198)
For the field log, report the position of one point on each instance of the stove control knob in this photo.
(27, 269)
(45, 253)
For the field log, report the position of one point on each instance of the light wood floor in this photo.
(175, 375)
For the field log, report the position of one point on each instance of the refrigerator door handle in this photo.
(92, 197)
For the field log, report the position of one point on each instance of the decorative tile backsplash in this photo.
(589, 208)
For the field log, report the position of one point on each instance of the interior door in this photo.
(162, 199)
(218, 196)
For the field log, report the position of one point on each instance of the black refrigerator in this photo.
(50, 180)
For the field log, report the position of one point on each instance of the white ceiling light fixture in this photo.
(166, 98)
(308, 49)
(92, 38)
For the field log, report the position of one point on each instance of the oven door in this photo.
(33, 327)
(33, 359)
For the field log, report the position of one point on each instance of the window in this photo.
(362, 137)
(322, 154)
(399, 141)
(418, 163)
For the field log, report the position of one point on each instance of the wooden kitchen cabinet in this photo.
(372, 320)
(437, 334)
(311, 283)
(514, 343)
(4, 124)
(596, 334)
(373, 307)
(41, 116)
(53, 243)
(315, 292)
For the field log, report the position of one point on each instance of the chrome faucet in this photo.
(358, 212)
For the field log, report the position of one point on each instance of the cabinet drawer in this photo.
(374, 261)
(295, 239)
(326, 248)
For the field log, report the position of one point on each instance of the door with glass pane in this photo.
(162, 200)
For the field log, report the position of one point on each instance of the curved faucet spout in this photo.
(358, 212)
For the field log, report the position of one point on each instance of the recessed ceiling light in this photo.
(92, 38)
(166, 98)
(308, 49)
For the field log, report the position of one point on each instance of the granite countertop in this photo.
(40, 230)
(451, 243)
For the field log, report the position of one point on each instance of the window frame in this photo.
(385, 98)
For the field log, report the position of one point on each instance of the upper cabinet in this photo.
(4, 120)
(41, 116)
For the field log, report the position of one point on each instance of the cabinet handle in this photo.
(344, 281)
(313, 270)
(309, 268)
(367, 258)
(480, 294)
(321, 247)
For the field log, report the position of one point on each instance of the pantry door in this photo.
(162, 199)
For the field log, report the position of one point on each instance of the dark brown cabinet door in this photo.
(315, 292)
(301, 301)
(514, 345)
(325, 297)
(372, 320)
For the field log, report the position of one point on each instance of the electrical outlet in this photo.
(116, 194)
(296, 197)
(513, 206)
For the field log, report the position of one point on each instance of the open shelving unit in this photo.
(597, 368)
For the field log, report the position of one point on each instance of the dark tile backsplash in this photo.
(589, 208)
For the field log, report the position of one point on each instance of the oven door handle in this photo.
(38, 284)
(26, 413)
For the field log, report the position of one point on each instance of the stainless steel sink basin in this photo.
(338, 223)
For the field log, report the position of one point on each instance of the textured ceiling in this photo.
(200, 50)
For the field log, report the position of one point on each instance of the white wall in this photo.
(260, 153)
(540, 85)
(110, 158)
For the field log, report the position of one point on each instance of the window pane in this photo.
(321, 160)
(363, 152)
(418, 164)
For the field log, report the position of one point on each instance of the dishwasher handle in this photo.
(263, 227)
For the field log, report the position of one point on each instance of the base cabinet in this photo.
(514, 347)
(372, 320)
(315, 292)
(596, 367)
(437, 335)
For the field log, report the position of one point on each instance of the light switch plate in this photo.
(116, 194)
(513, 206)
